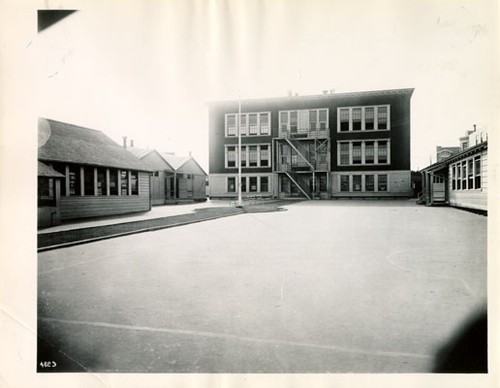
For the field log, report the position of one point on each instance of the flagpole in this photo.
(240, 201)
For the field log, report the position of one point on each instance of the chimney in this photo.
(125, 142)
(474, 127)
(131, 143)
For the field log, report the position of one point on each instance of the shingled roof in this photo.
(69, 143)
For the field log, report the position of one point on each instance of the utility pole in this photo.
(240, 201)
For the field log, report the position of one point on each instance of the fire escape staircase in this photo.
(293, 176)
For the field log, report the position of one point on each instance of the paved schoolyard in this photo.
(326, 286)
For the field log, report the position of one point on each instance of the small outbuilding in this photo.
(175, 178)
(83, 173)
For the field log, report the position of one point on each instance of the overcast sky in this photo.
(145, 69)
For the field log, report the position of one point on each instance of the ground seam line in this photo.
(240, 338)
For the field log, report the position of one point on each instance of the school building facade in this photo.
(330, 145)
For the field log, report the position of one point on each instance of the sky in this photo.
(146, 69)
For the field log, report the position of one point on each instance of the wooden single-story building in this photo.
(460, 180)
(83, 173)
(175, 178)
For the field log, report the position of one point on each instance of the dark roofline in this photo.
(406, 91)
(194, 160)
(455, 157)
(74, 125)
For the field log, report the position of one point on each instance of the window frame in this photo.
(348, 126)
(246, 130)
(341, 155)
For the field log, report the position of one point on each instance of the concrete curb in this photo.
(121, 234)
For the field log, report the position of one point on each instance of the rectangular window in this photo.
(470, 173)
(231, 125)
(313, 120)
(453, 177)
(252, 118)
(253, 184)
(464, 175)
(113, 181)
(477, 172)
(382, 152)
(344, 120)
(264, 184)
(231, 156)
(134, 183)
(61, 168)
(243, 124)
(322, 183)
(264, 156)
(323, 119)
(369, 152)
(243, 156)
(382, 183)
(293, 121)
(231, 185)
(284, 121)
(459, 177)
(356, 153)
(369, 118)
(344, 153)
(74, 180)
(243, 184)
(252, 156)
(88, 180)
(124, 182)
(356, 182)
(369, 182)
(101, 182)
(264, 123)
(344, 183)
(46, 188)
(356, 119)
(382, 117)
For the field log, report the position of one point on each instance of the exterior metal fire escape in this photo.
(302, 151)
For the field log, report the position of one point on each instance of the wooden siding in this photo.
(96, 206)
(158, 189)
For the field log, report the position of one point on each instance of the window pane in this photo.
(243, 184)
(369, 152)
(264, 155)
(369, 182)
(231, 156)
(101, 181)
(45, 188)
(253, 183)
(344, 120)
(264, 123)
(231, 125)
(344, 183)
(369, 118)
(252, 156)
(134, 183)
(88, 177)
(231, 185)
(264, 184)
(382, 152)
(356, 153)
(293, 121)
(470, 173)
(382, 183)
(74, 180)
(243, 156)
(382, 117)
(243, 124)
(113, 182)
(356, 182)
(323, 117)
(124, 182)
(252, 118)
(356, 119)
(344, 153)
(477, 172)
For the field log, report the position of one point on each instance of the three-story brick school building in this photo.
(320, 146)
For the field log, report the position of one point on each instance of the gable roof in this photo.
(69, 143)
(152, 158)
(183, 164)
(139, 152)
(47, 171)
